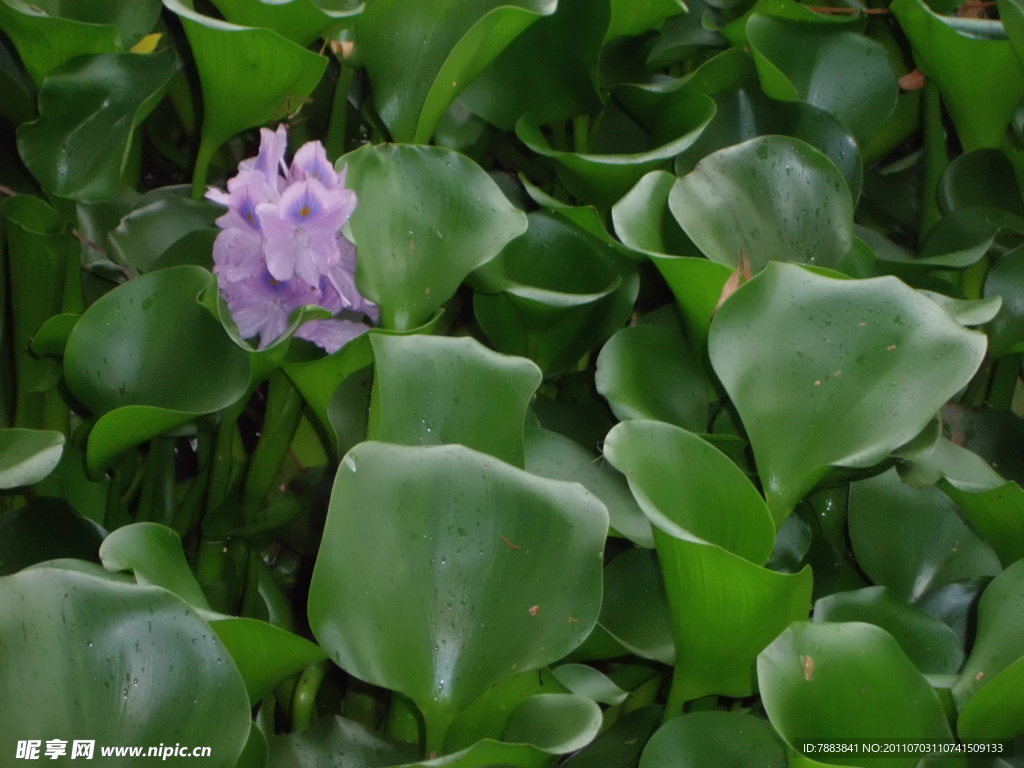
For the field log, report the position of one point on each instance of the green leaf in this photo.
(46, 41)
(326, 739)
(1000, 636)
(772, 198)
(153, 553)
(1005, 278)
(912, 540)
(248, 76)
(602, 178)
(620, 745)
(983, 177)
(78, 648)
(997, 710)
(557, 457)
(981, 99)
(733, 739)
(28, 455)
(647, 372)
(928, 642)
(549, 72)
(827, 372)
(836, 682)
(553, 310)
(42, 530)
(432, 390)
(149, 347)
(156, 221)
(712, 531)
(635, 610)
(844, 73)
(590, 682)
(997, 514)
(426, 218)
(468, 570)
(631, 17)
(420, 57)
(88, 112)
(301, 21)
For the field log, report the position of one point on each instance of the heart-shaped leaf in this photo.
(426, 218)
(28, 455)
(827, 372)
(698, 739)
(468, 570)
(88, 112)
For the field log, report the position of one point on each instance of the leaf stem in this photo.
(337, 124)
(304, 697)
(284, 410)
(935, 158)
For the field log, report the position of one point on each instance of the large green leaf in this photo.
(602, 176)
(927, 641)
(827, 372)
(432, 390)
(443, 570)
(156, 221)
(28, 455)
(91, 658)
(45, 41)
(150, 347)
(88, 111)
(329, 738)
(420, 56)
(553, 294)
(712, 531)
(727, 739)
(549, 72)
(846, 74)
(981, 99)
(982, 177)
(1005, 278)
(153, 553)
(635, 610)
(301, 21)
(631, 17)
(772, 198)
(426, 218)
(836, 682)
(249, 76)
(913, 539)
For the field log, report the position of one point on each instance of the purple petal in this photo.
(311, 162)
(237, 255)
(331, 335)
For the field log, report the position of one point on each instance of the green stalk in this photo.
(156, 497)
(304, 697)
(202, 167)
(337, 124)
(222, 464)
(935, 159)
(284, 410)
(187, 513)
(581, 134)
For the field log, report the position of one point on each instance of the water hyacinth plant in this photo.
(582, 383)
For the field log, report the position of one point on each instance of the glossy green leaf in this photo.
(88, 112)
(153, 553)
(711, 535)
(45, 41)
(631, 17)
(835, 372)
(549, 72)
(157, 221)
(45, 529)
(727, 739)
(847, 681)
(426, 218)
(557, 457)
(981, 99)
(550, 310)
(772, 198)
(432, 390)
(744, 112)
(1005, 278)
(28, 455)
(635, 610)
(150, 347)
(928, 642)
(78, 648)
(982, 177)
(590, 682)
(967, 311)
(912, 540)
(301, 21)
(329, 738)
(647, 372)
(846, 74)
(420, 57)
(468, 571)
(1000, 634)
(997, 514)
(602, 178)
(249, 77)
(996, 712)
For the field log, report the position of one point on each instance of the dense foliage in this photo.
(688, 429)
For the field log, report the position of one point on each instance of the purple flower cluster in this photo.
(281, 246)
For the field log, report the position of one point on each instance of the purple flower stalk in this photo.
(281, 246)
